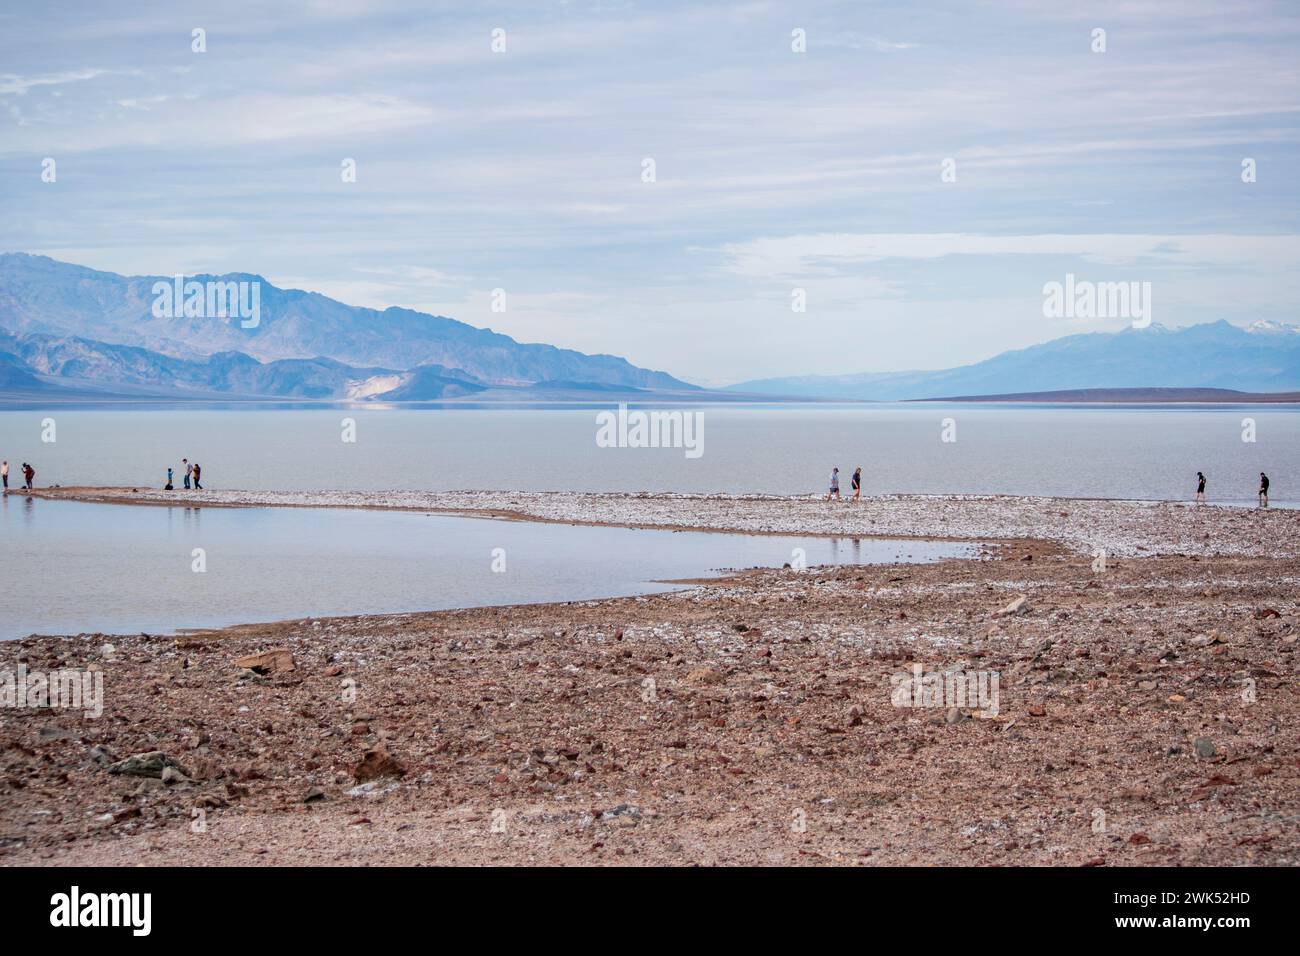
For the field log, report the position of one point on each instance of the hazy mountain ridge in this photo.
(38, 365)
(43, 295)
(1264, 358)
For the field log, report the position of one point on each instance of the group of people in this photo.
(835, 484)
(193, 473)
(28, 473)
(1263, 489)
(1200, 487)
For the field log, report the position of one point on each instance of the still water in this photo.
(1078, 451)
(71, 567)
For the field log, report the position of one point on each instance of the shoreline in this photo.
(699, 726)
(692, 727)
(1119, 527)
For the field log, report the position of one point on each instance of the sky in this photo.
(920, 172)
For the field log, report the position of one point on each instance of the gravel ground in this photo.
(1146, 714)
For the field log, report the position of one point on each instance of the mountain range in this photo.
(73, 333)
(68, 326)
(1262, 358)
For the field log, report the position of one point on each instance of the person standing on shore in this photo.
(189, 470)
(1200, 488)
(197, 471)
(168, 486)
(28, 474)
(1263, 490)
(835, 485)
(857, 483)
(4, 474)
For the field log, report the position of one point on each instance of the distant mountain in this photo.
(38, 366)
(85, 362)
(39, 295)
(1263, 358)
(15, 373)
(1130, 396)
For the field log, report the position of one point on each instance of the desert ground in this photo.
(1147, 709)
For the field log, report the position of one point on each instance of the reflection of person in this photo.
(1200, 488)
(1263, 490)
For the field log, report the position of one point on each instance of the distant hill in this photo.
(1263, 358)
(74, 304)
(38, 366)
(1130, 396)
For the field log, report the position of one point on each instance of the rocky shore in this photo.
(1146, 708)
(1081, 524)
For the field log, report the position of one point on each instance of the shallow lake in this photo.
(72, 567)
(1071, 451)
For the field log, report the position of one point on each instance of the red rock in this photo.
(278, 661)
(376, 763)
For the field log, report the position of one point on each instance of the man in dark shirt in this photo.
(1263, 490)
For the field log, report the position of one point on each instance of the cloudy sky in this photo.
(774, 169)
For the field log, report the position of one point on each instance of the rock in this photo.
(376, 763)
(1019, 606)
(953, 716)
(170, 775)
(703, 675)
(1137, 839)
(621, 813)
(278, 661)
(1205, 747)
(312, 795)
(151, 764)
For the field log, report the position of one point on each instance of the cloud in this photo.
(854, 41)
(832, 253)
(11, 83)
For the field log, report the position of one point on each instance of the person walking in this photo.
(857, 483)
(198, 470)
(189, 470)
(1200, 488)
(169, 486)
(1263, 490)
(28, 474)
(4, 474)
(835, 485)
